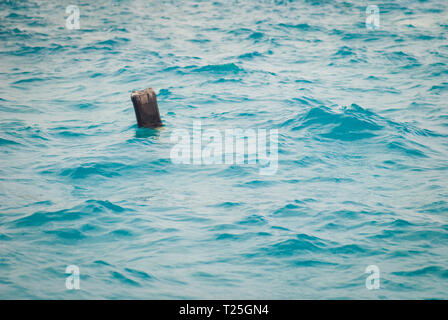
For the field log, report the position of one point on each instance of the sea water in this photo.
(360, 105)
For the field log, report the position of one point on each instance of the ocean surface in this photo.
(362, 173)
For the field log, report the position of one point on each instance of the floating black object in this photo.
(146, 108)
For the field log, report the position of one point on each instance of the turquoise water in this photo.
(362, 155)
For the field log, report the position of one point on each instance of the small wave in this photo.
(438, 89)
(303, 243)
(437, 207)
(76, 213)
(139, 274)
(4, 237)
(109, 45)
(257, 183)
(406, 149)
(124, 280)
(220, 68)
(43, 217)
(356, 123)
(4, 142)
(227, 204)
(431, 270)
(31, 80)
(312, 263)
(101, 262)
(253, 220)
(105, 169)
(353, 123)
(257, 36)
(291, 209)
(345, 51)
(120, 233)
(299, 26)
(250, 55)
(352, 249)
(199, 40)
(67, 234)
(403, 59)
(241, 237)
